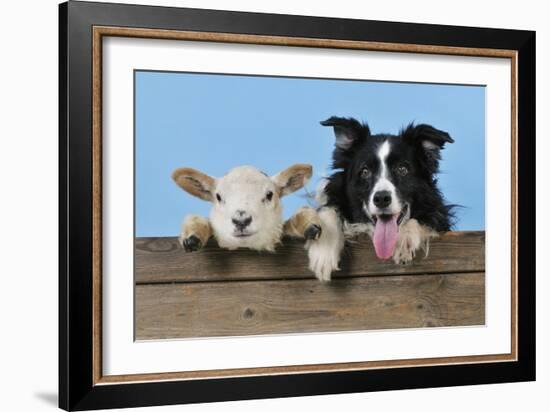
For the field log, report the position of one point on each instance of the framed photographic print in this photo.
(256, 205)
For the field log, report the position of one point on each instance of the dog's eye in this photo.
(364, 173)
(269, 196)
(218, 197)
(402, 170)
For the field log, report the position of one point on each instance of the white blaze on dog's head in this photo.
(384, 206)
(383, 186)
(246, 203)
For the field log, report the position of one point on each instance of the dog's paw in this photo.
(409, 241)
(405, 250)
(313, 232)
(191, 243)
(403, 256)
(322, 264)
(412, 238)
(323, 258)
(324, 252)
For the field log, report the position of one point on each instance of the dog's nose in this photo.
(382, 199)
(242, 223)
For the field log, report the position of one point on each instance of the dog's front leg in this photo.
(412, 237)
(324, 252)
(195, 232)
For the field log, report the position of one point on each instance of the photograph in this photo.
(271, 205)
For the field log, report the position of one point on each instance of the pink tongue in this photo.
(385, 237)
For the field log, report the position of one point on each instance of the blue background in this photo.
(216, 122)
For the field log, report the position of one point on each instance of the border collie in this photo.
(383, 185)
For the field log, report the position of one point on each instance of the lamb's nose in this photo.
(242, 223)
(382, 199)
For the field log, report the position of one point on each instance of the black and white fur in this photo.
(383, 185)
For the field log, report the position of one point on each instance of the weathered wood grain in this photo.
(162, 260)
(296, 306)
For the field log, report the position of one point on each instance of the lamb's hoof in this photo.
(191, 244)
(313, 232)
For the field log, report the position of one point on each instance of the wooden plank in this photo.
(162, 260)
(295, 306)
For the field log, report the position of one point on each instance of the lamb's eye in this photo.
(364, 173)
(402, 170)
(218, 197)
(269, 196)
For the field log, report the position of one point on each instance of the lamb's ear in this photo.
(430, 139)
(292, 179)
(347, 131)
(194, 182)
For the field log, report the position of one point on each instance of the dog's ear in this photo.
(293, 178)
(430, 140)
(194, 182)
(347, 131)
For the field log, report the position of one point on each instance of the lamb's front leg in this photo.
(413, 236)
(324, 252)
(195, 232)
(305, 223)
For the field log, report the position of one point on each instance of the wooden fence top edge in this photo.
(162, 260)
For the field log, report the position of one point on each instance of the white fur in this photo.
(384, 183)
(324, 253)
(412, 237)
(320, 195)
(353, 229)
(244, 189)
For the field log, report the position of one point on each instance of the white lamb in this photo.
(246, 208)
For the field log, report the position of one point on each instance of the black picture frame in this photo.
(77, 390)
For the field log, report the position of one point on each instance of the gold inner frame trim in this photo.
(101, 31)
